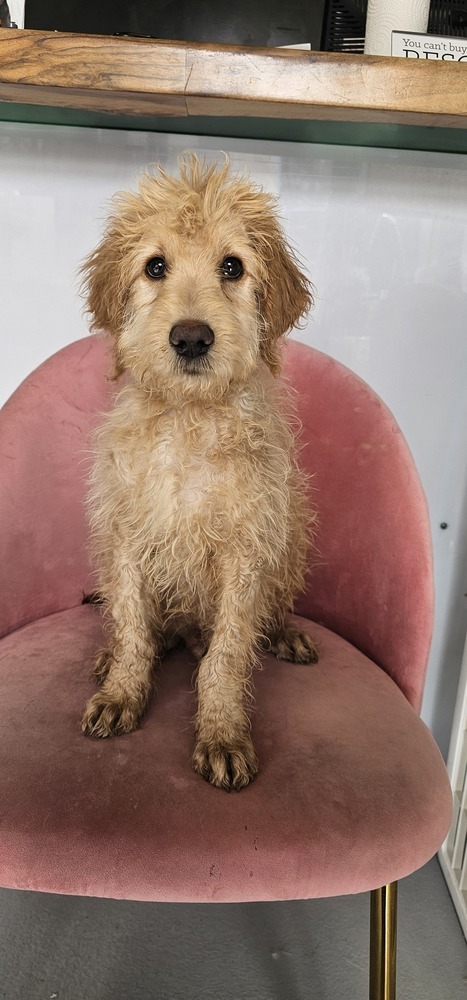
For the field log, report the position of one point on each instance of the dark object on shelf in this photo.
(448, 18)
(344, 26)
(246, 22)
(327, 25)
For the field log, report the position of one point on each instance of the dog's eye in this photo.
(231, 267)
(156, 267)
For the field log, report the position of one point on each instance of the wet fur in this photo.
(199, 511)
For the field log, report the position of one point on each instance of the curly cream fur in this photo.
(200, 516)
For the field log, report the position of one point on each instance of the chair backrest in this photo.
(374, 583)
(44, 446)
(373, 580)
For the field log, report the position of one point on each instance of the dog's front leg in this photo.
(125, 669)
(224, 752)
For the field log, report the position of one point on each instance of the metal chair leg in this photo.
(383, 937)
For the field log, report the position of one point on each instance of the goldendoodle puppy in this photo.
(199, 511)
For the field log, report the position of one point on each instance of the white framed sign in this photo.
(413, 45)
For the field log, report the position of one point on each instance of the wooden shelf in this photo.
(144, 80)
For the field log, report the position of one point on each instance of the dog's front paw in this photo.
(226, 763)
(294, 645)
(108, 715)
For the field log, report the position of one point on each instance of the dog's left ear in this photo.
(286, 296)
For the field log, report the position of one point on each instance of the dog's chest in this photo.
(195, 480)
(188, 477)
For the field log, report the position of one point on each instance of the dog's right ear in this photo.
(105, 289)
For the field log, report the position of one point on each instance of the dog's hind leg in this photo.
(294, 645)
(125, 669)
(290, 643)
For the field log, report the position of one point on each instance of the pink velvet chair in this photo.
(352, 793)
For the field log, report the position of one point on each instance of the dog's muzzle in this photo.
(191, 339)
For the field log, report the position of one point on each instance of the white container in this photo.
(385, 16)
(16, 8)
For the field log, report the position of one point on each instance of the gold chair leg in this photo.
(383, 937)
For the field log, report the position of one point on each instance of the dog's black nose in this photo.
(191, 339)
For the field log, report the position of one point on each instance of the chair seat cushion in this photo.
(352, 791)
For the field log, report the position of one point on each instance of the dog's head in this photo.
(195, 280)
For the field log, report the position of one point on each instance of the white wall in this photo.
(384, 235)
